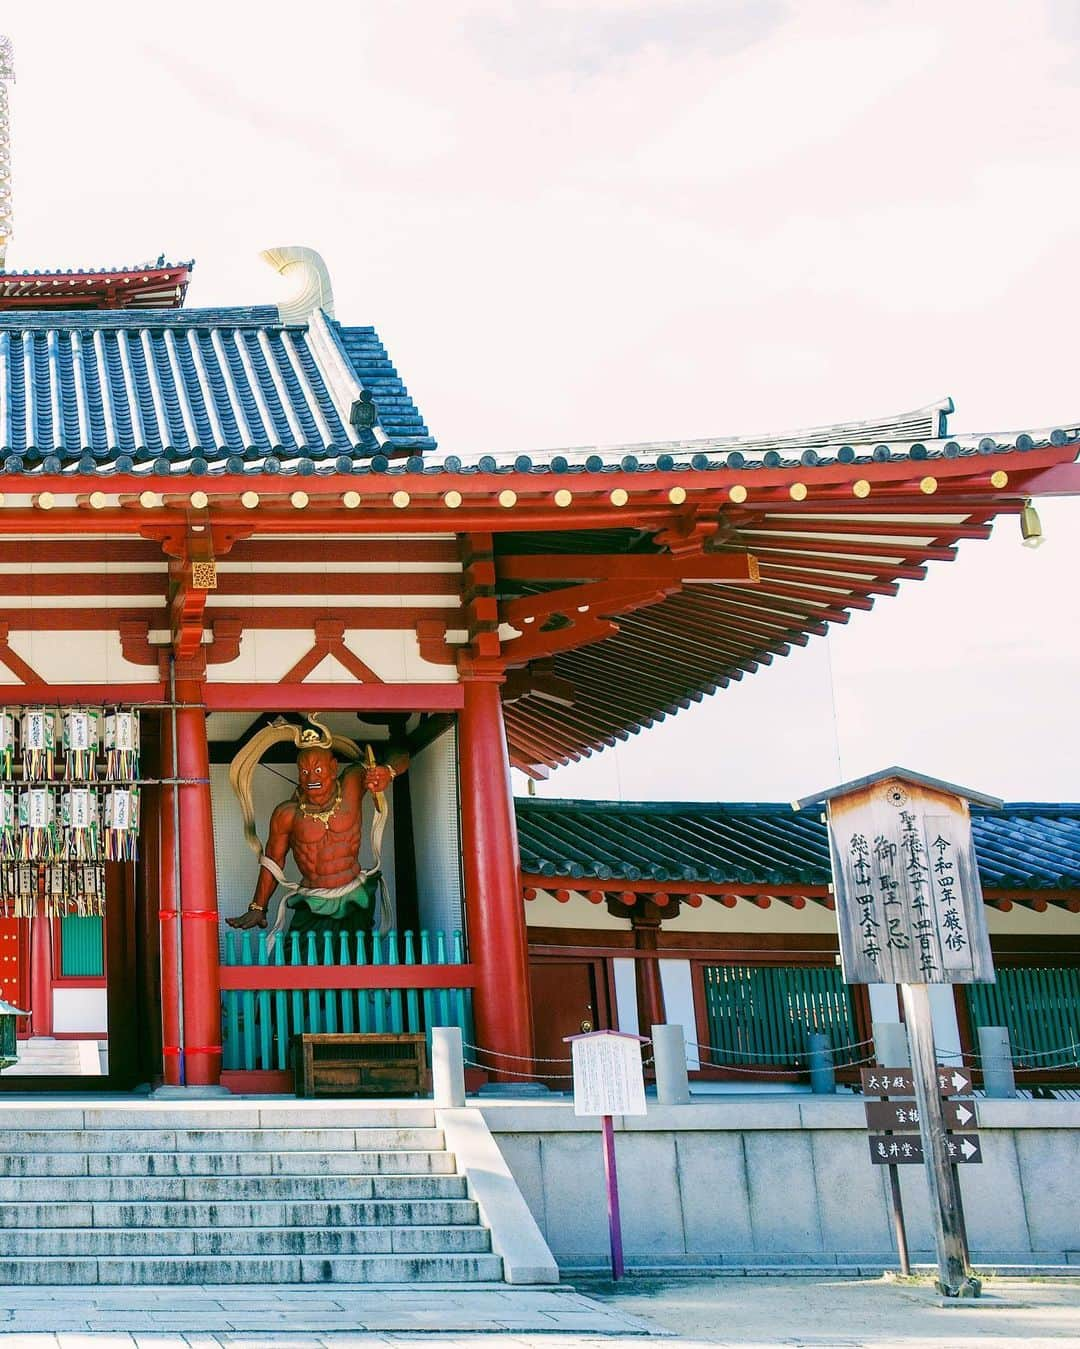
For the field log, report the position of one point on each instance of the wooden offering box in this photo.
(360, 1065)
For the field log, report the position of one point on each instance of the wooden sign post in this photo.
(909, 909)
(609, 1080)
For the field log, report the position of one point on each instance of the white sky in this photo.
(603, 220)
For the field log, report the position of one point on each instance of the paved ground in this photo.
(838, 1313)
(758, 1313)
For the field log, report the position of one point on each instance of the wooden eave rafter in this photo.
(744, 564)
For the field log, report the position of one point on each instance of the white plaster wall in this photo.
(80, 1009)
(626, 1008)
(76, 657)
(433, 782)
(677, 982)
(546, 911)
(267, 654)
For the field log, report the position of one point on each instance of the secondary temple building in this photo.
(229, 544)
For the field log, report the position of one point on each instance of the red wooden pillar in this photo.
(168, 906)
(498, 944)
(200, 1063)
(650, 991)
(41, 971)
(198, 895)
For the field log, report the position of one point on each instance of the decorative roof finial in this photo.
(315, 291)
(7, 73)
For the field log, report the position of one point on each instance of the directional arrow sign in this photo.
(898, 1082)
(903, 1116)
(901, 1150)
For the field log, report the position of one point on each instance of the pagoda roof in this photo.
(1023, 846)
(154, 285)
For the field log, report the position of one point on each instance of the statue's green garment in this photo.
(350, 913)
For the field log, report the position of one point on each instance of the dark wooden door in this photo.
(566, 996)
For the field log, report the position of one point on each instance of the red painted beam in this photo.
(299, 977)
(349, 697)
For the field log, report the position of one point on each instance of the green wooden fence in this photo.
(259, 1023)
(763, 1014)
(1041, 1008)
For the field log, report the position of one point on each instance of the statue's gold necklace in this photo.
(323, 816)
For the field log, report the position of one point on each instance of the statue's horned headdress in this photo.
(241, 770)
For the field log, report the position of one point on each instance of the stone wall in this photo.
(786, 1181)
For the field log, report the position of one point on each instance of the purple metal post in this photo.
(612, 1178)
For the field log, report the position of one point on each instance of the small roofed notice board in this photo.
(608, 1076)
(909, 905)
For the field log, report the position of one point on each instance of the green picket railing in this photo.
(1041, 1008)
(763, 1014)
(258, 1023)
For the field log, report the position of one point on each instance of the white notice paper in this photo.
(608, 1076)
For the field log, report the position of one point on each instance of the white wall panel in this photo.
(676, 979)
(80, 1009)
(433, 782)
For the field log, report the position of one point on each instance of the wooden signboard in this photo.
(909, 910)
(609, 1079)
(908, 901)
(608, 1076)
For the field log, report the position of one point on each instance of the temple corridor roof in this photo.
(1024, 846)
(196, 390)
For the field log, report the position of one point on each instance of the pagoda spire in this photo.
(7, 74)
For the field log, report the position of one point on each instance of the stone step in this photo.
(237, 1214)
(175, 1241)
(118, 1189)
(226, 1115)
(252, 1269)
(164, 1164)
(19, 1140)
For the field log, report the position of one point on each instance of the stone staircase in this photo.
(42, 1056)
(289, 1192)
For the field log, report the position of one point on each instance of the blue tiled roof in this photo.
(198, 390)
(1021, 847)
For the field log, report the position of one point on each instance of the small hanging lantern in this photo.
(122, 746)
(39, 834)
(38, 744)
(79, 821)
(121, 823)
(7, 745)
(81, 740)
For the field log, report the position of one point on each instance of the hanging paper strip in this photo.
(9, 836)
(79, 821)
(121, 824)
(122, 746)
(7, 745)
(38, 744)
(81, 741)
(39, 832)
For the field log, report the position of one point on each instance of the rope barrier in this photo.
(516, 1058)
(533, 1077)
(1043, 1053)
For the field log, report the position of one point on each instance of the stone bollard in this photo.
(447, 1067)
(669, 1063)
(995, 1056)
(891, 1044)
(819, 1056)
